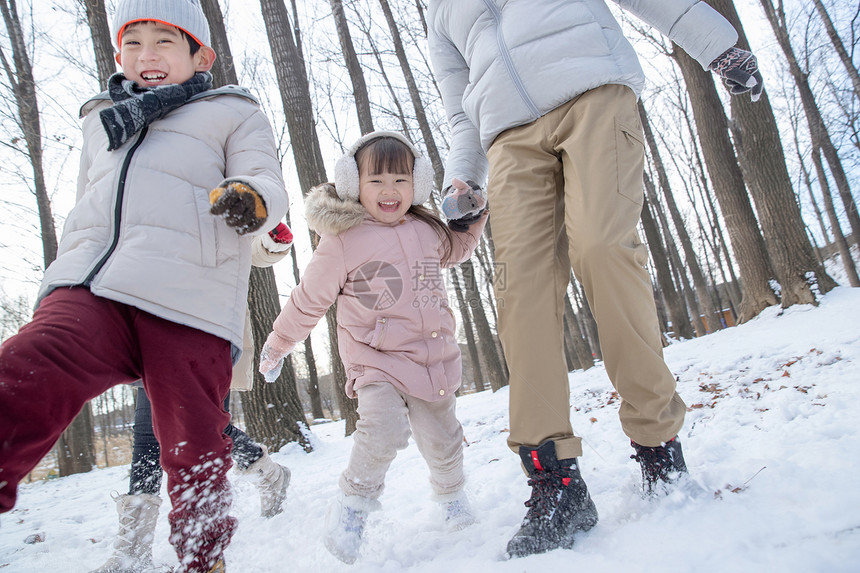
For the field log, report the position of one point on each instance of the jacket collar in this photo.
(328, 214)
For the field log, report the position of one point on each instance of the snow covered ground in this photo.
(771, 441)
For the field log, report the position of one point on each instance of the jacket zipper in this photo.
(506, 57)
(117, 209)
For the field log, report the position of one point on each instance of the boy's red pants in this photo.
(77, 346)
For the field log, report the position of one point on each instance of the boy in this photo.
(148, 283)
(138, 509)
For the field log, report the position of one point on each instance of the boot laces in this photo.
(127, 531)
(546, 491)
(353, 521)
(454, 509)
(656, 461)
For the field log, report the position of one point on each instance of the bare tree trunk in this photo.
(273, 412)
(421, 116)
(817, 129)
(401, 116)
(674, 258)
(420, 8)
(754, 129)
(747, 242)
(298, 109)
(719, 242)
(359, 88)
(496, 371)
(469, 333)
(102, 43)
(706, 304)
(807, 181)
(75, 449)
(580, 345)
(838, 237)
(587, 323)
(838, 46)
(570, 358)
(721, 245)
(224, 70)
(674, 303)
(20, 76)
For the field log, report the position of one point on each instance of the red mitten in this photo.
(279, 239)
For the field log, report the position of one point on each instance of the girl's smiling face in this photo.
(384, 187)
(154, 54)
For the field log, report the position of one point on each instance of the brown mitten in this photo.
(241, 206)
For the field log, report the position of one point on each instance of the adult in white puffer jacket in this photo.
(542, 94)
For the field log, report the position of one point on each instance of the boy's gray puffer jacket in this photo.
(505, 63)
(141, 232)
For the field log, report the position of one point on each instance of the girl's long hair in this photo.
(388, 155)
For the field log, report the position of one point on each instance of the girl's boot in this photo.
(344, 525)
(272, 480)
(458, 510)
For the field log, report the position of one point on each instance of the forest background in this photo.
(745, 201)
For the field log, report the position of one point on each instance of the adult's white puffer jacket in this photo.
(505, 63)
(141, 232)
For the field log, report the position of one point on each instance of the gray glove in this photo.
(739, 70)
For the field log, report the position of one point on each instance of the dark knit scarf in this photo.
(136, 107)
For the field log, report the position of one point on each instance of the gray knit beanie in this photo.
(187, 15)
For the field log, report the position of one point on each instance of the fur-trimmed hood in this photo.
(328, 214)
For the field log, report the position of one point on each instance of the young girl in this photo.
(380, 257)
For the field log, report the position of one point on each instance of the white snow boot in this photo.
(458, 510)
(133, 546)
(344, 525)
(272, 480)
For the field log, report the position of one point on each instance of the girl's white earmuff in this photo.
(346, 169)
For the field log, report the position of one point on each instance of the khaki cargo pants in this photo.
(566, 192)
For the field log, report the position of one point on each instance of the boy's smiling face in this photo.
(154, 54)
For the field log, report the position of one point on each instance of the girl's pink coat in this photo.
(393, 320)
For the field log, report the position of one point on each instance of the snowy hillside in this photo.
(771, 440)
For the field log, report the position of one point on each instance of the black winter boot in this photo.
(559, 506)
(659, 464)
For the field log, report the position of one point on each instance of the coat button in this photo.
(441, 392)
(434, 334)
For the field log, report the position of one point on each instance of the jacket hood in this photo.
(328, 214)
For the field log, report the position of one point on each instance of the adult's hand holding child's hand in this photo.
(463, 199)
(241, 206)
(463, 204)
